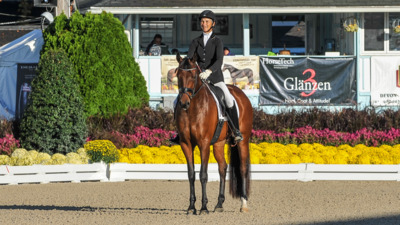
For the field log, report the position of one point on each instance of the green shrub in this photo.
(102, 150)
(53, 121)
(109, 78)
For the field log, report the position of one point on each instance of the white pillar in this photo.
(136, 44)
(246, 34)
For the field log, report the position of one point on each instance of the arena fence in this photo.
(118, 172)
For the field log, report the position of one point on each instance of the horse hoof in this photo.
(218, 209)
(191, 212)
(244, 210)
(204, 211)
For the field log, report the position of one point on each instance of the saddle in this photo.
(219, 98)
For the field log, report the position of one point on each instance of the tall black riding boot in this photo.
(234, 123)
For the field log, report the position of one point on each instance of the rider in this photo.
(210, 54)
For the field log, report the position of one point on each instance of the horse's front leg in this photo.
(205, 154)
(187, 150)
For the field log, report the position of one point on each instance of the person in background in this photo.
(227, 51)
(210, 54)
(154, 48)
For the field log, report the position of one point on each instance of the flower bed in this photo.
(22, 157)
(267, 147)
(263, 153)
(273, 153)
(329, 137)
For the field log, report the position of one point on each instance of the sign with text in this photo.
(169, 81)
(307, 81)
(25, 74)
(238, 70)
(385, 90)
(243, 72)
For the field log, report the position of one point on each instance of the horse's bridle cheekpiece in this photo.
(192, 91)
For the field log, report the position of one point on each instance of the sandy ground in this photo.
(165, 202)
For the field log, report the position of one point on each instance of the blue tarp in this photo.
(25, 49)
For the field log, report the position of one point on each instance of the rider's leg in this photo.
(232, 111)
(175, 140)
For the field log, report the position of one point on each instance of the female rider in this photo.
(210, 54)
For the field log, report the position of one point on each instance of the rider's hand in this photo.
(204, 75)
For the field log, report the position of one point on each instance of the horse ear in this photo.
(178, 57)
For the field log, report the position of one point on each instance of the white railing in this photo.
(122, 172)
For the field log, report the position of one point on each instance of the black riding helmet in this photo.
(207, 14)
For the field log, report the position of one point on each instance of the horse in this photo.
(196, 121)
(236, 73)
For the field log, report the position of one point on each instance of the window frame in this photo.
(143, 42)
(386, 30)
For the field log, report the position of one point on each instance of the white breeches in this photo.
(228, 97)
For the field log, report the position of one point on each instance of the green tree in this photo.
(110, 80)
(54, 120)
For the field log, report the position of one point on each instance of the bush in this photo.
(103, 128)
(345, 120)
(53, 121)
(109, 78)
(102, 150)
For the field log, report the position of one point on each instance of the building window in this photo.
(378, 35)
(150, 26)
(394, 37)
(374, 35)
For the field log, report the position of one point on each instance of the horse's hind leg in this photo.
(222, 166)
(245, 174)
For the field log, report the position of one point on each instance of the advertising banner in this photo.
(307, 81)
(243, 72)
(238, 70)
(169, 81)
(385, 88)
(25, 74)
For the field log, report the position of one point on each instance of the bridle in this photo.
(192, 91)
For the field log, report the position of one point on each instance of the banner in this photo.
(243, 72)
(385, 90)
(238, 70)
(25, 74)
(169, 81)
(307, 81)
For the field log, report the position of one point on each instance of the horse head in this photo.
(188, 79)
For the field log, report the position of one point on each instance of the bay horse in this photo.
(236, 73)
(196, 121)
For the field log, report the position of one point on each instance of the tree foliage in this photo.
(54, 121)
(109, 78)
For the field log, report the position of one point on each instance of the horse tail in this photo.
(236, 180)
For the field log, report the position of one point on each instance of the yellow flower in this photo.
(5, 160)
(58, 159)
